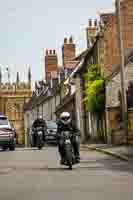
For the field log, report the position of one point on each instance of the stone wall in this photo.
(113, 86)
(130, 122)
(116, 135)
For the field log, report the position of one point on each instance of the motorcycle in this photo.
(66, 138)
(39, 137)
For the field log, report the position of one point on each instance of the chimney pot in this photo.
(65, 40)
(46, 52)
(71, 39)
(95, 23)
(54, 52)
(50, 51)
(90, 22)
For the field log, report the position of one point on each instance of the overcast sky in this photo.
(28, 26)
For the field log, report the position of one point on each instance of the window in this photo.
(3, 121)
(51, 124)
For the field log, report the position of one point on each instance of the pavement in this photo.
(28, 173)
(124, 152)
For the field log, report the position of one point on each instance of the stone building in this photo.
(12, 98)
(113, 103)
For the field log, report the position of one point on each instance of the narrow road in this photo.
(29, 174)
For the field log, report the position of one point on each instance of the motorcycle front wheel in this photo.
(40, 143)
(40, 147)
(68, 150)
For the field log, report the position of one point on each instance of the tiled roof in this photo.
(82, 54)
(71, 64)
(83, 58)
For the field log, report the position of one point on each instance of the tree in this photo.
(95, 95)
(95, 90)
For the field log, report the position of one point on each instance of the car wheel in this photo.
(4, 148)
(12, 148)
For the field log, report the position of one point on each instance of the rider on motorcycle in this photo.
(39, 122)
(65, 124)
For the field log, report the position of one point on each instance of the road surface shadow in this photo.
(111, 163)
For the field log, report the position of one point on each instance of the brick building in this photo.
(111, 67)
(111, 51)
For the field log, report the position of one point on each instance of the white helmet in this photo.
(65, 117)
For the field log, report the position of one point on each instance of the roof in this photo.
(67, 99)
(42, 97)
(71, 64)
(82, 54)
(83, 59)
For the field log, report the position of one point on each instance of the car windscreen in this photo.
(51, 125)
(3, 121)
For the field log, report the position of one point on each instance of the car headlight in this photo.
(11, 134)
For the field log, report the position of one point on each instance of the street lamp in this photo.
(122, 65)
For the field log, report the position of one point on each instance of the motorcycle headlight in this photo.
(39, 132)
(66, 134)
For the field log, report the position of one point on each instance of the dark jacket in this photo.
(39, 123)
(69, 127)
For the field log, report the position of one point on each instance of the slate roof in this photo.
(67, 99)
(42, 96)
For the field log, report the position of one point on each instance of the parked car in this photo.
(7, 134)
(51, 132)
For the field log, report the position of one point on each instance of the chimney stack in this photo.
(91, 32)
(51, 62)
(65, 40)
(71, 40)
(95, 23)
(90, 22)
(68, 50)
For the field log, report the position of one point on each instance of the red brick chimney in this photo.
(51, 63)
(91, 32)
(68, 50)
